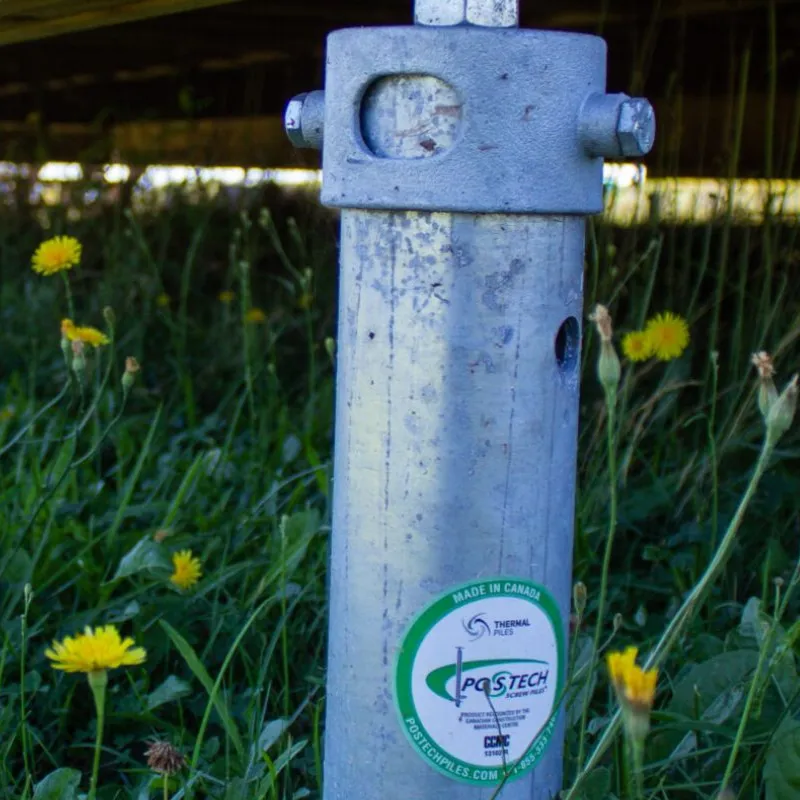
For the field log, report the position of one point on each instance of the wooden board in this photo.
(26, 20)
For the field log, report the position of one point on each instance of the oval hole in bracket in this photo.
(410, 116)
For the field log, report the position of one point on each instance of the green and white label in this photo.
(477, 677)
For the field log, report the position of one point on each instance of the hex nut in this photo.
(636, 127)
(293, 120)
(304, 120)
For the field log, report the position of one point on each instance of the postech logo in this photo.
(495, 678)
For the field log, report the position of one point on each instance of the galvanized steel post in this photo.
(465, 154)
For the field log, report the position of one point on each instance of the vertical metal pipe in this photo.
(455, 461)
(464, 155)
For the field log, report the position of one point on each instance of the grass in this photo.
(223, 447)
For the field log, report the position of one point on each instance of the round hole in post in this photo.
(410, 116)
(568, 340)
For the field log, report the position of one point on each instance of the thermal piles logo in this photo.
(477, 627)
(497, 678)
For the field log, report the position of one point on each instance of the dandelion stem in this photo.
(636, 767)
(22, 699)
(755, 686)
(712, 451)
(165, 785)
(68, 291)
(611, 404)
(685, 613)
(98, 682)
(758, 682)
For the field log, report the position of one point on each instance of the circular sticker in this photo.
(477, 677)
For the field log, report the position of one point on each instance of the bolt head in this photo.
(292, 120)
(636, 128)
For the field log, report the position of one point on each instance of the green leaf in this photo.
(237, 789)
(782, 764)
(18, 568)
(297, 532)
(705, 682)
(301, 525)
(597, 784)
(145, 556)
(171, 689)
(280, 763)
(200, 672)
(756, 624)
(271, 732)
(62, 784)
(587, 682)
(712, 692)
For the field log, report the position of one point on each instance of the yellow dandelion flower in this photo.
(86, 334)
(188, 569)
(227, 297)
(91, 336)
(95, 651)
(56, 255)
(637, 346)
(634, 686)
(669, 335)
(163, 300)
(255, 316)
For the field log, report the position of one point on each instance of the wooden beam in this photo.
(71, 20)
(140, 75)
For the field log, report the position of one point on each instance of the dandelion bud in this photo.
(778, 581)
(78, 359)
(781, 413)
(609, 370)
(767, 393)
(616, 623)
(635, 689)
(109, 316)
(579, 595)
(131, 368)
(164, 758)
(330, 347)
(66, 348)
